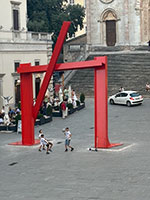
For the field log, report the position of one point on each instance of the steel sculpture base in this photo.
(19, 143)
(111, 145)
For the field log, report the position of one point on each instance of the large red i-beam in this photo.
(30, 111)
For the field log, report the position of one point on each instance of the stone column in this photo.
(137, 39)
(126, 22)
(145, 22)
(50, 91)
(1, 90)
(88, 12)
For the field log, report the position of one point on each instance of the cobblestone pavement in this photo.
(113, 174)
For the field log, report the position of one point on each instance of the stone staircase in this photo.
(129, 70)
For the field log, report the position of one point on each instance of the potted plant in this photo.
(70, 108)
(78, 103)
(41, 118)
(49, 111)
(48, 117)
(82, 98)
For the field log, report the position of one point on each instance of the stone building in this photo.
(17, 45)
(113, 25)
(120, 30)
(118, 22)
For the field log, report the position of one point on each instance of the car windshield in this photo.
(134, 95)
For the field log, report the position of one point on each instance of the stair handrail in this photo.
(69, 74)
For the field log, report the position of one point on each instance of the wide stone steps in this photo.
(130, 71)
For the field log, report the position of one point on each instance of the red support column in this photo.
(27, 108)
(101, 109)
(101, 122)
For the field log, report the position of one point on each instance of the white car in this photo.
(126, 98)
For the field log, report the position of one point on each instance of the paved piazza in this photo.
(113, 174)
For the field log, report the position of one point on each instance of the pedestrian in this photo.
(67, 135)
(147, 87)
(40, 133)
(121, 89)
(64, 109)
(44, 142)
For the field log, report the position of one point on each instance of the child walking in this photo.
(40, 133)
(67, 139)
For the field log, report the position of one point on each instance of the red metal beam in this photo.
(63, 66)
(50, 68)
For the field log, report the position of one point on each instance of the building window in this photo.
(86, 29)
(71, 2)
(17, 92)
(16, 65)
(37, 62)
(37, 86)
(15, 15)
(15, 20)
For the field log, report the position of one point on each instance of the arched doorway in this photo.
(109, 19)
(110, 32)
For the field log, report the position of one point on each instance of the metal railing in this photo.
(69, 74)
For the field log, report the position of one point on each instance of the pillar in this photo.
(27, 108)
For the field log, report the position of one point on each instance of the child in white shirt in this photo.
(44, 142)
(68, 139)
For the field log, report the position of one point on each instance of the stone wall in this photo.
(75, 48)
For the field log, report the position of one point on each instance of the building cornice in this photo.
(15, 3)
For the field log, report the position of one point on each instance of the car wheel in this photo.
(111, 101)
(128, 103)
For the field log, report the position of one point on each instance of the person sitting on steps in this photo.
(147, 87)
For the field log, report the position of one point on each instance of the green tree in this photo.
(48, 16)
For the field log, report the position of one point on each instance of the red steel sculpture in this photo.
(30, 111)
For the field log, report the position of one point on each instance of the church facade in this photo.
(118, 22)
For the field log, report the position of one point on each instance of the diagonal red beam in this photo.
(63, 66)
(50, 68)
